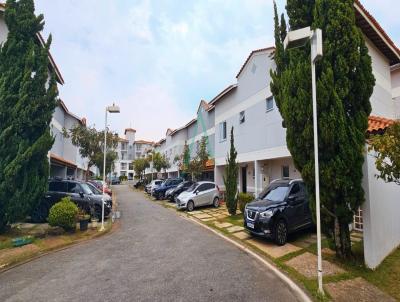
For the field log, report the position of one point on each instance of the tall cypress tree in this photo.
(28, 98)
(230, 178)
(344, 86)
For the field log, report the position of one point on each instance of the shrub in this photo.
(123, 178)
(63, 214)
(243, 199)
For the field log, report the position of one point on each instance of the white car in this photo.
(154, 183)
(201, 193)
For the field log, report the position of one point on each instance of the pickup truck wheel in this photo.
(281, 232)
(216, 202)
(190, 206)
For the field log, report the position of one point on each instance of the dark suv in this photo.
(80, 194)
(159, 192)
(280, 209)
(171, 194)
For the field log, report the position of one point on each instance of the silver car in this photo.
(201, 193)
(154, 183)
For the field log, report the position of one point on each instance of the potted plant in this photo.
(83, 218)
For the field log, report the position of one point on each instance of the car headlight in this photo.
(267, 214)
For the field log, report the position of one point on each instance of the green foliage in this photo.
(139, 166)
(27, 101)
(160, 161)
(230, 178)
(123, 178)
(90, 142)
(198, 163)
(344, 86)
(387, 148)
(63, 214)
(243, 199)
(183, 160)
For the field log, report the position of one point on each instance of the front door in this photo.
(244, 179)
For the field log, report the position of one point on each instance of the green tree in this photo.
(182, 160)
(90, 142)
(28, 98)
(198, 163)
(160, 162)
(387, 153)
(345, 84)
(230, 178)
(140, 165)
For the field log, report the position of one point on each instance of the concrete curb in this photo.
(292, 285)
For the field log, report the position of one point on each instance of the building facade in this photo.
(129, 149)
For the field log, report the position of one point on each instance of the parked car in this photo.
(115, 180)
(159, 192)
(99, 185)
(172, 193)
(140, 183)
(154, 183)
(201, 193)
(282, 208)
(80, 194)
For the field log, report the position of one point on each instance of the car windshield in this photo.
(86, 189)
(275, 193)
(181, 185)
(94, 189)
(192, 187)
(157, 182)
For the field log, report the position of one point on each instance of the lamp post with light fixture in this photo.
(111, 109)
(298, 38)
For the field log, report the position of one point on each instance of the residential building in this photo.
(129, 149)
(64, 158)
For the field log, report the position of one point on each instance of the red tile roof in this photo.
(377, 123)
(143, 142)
(58, 159)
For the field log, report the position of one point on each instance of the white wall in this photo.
(381, 212)
(381, 99)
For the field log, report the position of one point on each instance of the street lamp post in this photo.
(294, 39)
(111, 109)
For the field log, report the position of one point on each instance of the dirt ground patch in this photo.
(306, 264)
(9, 255)
(356, 290)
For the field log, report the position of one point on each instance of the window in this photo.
(130, 166)
(123, 166)
(58, 186)
(202, 188)
(295, 190)
(222, 131)
(242, 117)
(74, 187)
(270, 103)
(285, 171)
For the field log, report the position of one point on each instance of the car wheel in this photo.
(97, 212)
(216, 202)
(190, 206)
(157, 196)
(281, 232)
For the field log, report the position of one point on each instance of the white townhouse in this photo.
(64, 158)
(260, 140)
(129, 149)
(173, 144)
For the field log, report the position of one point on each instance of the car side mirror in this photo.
(196, 192)
(292, 198)
(81, 194)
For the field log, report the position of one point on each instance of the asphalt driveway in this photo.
(155, 256)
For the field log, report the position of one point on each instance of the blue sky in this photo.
(157, 59)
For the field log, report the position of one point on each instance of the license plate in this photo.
(250, 225)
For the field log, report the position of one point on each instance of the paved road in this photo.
(154, 256)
